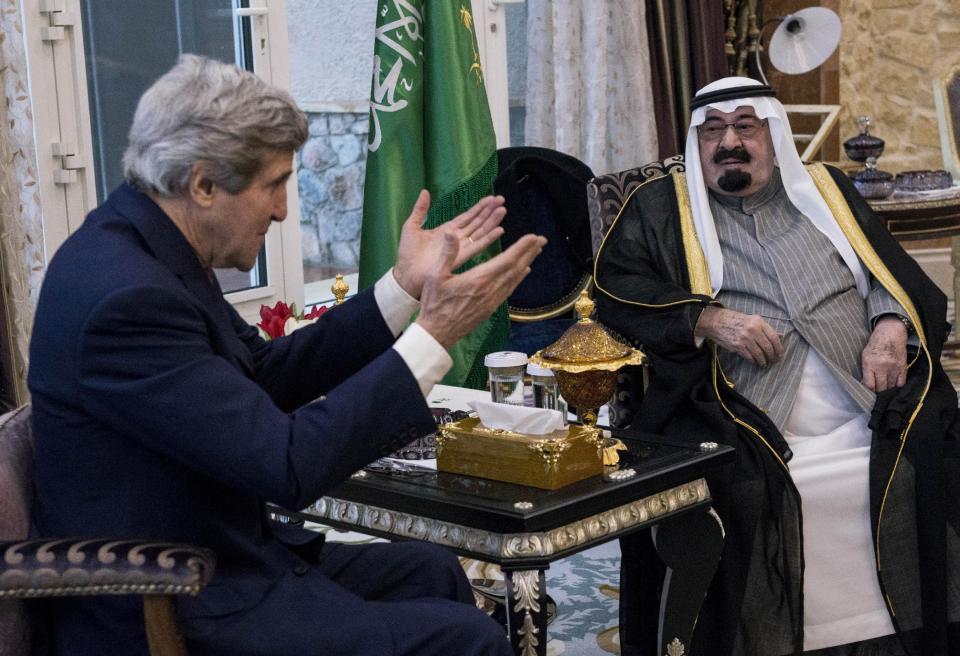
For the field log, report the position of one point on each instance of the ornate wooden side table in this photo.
(524, 529)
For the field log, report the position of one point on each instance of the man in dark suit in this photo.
(160, 413)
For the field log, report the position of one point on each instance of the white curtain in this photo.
(588, 82)
(21, 231)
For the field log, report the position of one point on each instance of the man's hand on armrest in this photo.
(747, 335)
(884, 359)
(453, 305)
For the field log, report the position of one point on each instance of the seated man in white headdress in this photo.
(783, 319)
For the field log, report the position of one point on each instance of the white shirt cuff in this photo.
(427, 359)
(396, 305)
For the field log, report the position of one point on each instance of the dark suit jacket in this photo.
(158, 412)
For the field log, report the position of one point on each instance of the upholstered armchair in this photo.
(544, 192)
(606, 195)
(31, 569)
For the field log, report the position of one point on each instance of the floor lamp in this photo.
(803, 41)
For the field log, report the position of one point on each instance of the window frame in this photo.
(58, 87)
(489, 17)
(57, 73)
(61, 115)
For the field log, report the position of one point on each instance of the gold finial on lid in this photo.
(584, 306)
(339, 288)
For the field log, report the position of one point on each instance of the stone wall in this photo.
(890, 53)
(330, 172)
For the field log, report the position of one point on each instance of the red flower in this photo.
(315, 312)
(272, 319)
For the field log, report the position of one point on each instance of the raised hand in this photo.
(472, 231)
(884, 359)
(451, 305)
(747, 335)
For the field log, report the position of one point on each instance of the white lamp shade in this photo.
(804, 40)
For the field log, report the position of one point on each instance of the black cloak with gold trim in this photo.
(651, 287)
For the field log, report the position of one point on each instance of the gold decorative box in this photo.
(547, 461)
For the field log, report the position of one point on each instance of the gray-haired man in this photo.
(159, 412)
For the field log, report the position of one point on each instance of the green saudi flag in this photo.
(430, 128)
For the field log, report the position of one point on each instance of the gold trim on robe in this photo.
(685, 238)
(864, 250)
(696, 262)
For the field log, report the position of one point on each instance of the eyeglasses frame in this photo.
(763, 123)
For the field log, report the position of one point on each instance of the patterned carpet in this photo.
(583, 587)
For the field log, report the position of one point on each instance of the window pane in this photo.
(128, 46)
(516, 19)
(330, 173)
(331, 59)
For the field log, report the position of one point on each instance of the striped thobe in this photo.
(776, 264)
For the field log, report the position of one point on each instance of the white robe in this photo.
(828, 434)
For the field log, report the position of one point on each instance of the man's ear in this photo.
(200, 187)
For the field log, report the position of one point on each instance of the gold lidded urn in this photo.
(585, 361)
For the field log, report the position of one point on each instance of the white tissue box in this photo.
(547, 461)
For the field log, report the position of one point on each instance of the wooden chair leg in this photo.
(690, 547)
(163, 633)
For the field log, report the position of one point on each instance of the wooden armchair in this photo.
(606, 195)
(48, 567)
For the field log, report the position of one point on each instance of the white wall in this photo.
(331, 53)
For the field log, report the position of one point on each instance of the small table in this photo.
(524, 529)
(920, 218)
(932, 217)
